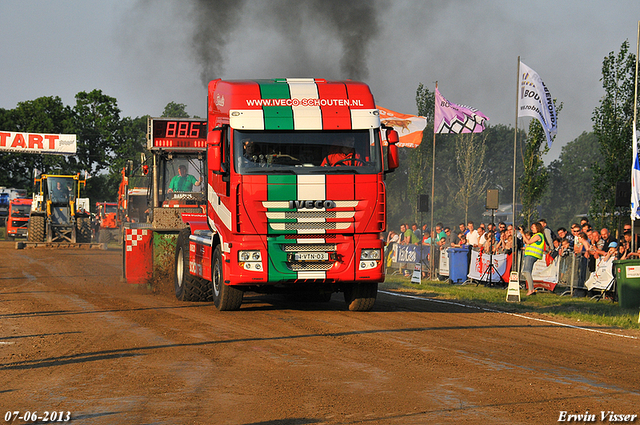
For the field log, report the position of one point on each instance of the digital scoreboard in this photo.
(176, 133)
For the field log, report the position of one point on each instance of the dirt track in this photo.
(74, 338)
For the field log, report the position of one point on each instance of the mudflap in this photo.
(164, 251)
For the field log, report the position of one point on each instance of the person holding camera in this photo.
(533, 250)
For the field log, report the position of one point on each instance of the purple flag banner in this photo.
(452, 118)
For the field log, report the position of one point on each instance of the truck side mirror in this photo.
(392, 150)
(214, 150)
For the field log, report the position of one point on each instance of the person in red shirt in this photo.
(344, 154)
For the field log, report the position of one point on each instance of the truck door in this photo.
(219, 192)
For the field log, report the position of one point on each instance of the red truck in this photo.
(295, 194)
(18, 218)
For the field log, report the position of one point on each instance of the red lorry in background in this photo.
(278, 217)
(18, 218)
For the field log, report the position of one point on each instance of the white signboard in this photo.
(61, 144)
(443, 268)
(480, 264)
(633, 271)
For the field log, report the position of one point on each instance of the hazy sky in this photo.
(146, 53)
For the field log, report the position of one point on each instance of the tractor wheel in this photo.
(361, 296)
(187, 286)
(104, 236)
(225, 297)
(83, 230)
(36, 228)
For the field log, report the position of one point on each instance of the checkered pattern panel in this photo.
(133, 236)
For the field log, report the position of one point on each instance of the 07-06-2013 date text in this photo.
(54, 416)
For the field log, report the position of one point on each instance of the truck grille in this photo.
(309, 247)
(302, 267)
(309, 214)
(310, 226)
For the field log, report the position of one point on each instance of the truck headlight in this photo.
(370, 254)
(249, 256)
(250, 260)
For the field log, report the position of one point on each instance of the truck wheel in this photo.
(187, 286)
(225, 297)
(83, 230)
(36, 228)
(361, 296)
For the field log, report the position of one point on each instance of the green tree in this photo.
(99, 130)
(420, 158)
(413, 177)
(471, 172)
(612, 125)
(499, 160)
(175, 110)
(570, 177)
(42, 115)
(535, 177)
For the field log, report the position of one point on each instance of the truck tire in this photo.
(188, 287)
(36, 228)
(83, 230)
(225, 297)
(361, 296)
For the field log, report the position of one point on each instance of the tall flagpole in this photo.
(514, 247)
(433, 180)
(634, 138)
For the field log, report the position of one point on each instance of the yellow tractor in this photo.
(58, 214)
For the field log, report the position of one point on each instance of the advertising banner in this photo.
(60, 144)
(480, 264)
(409, 127)
(456, 119)
(545, 276)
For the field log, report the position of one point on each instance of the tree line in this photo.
(581, 181)
(105, 141)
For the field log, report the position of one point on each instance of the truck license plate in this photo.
(311, 256)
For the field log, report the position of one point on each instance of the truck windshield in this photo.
(309, 151)
(20, 210)
(182, 176)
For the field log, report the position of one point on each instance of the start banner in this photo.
(61, 144)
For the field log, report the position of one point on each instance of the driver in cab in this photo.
(60, 192)
(344, 154)
(183, 182)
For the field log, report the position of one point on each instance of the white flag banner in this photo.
(534, 100)
(635, 177)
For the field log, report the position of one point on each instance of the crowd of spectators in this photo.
(582, 241)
